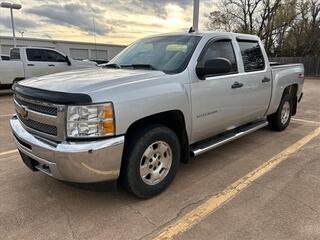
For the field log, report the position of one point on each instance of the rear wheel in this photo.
(281, 119)
(151, 161)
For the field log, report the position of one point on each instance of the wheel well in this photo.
(171, 119)
(292, 91)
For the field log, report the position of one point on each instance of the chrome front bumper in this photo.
(77, 161)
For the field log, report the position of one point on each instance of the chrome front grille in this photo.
(42, 127)
(42, 118)
(51, 110)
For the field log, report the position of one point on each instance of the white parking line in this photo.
(306, 121)
(195, 216)
(8, 152)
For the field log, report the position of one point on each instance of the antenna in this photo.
(191, 30)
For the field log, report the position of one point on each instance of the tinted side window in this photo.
(221, 49)
(36, 55)
(5, 58)
(252, 56)
(53, 56)
(15, 54)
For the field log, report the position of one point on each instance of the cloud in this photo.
(110, 15)
(116, 21)
(152, 7)
(18, 22)
(72, 15)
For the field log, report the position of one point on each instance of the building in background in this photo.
(76, 50)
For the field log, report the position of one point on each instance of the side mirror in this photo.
(68, 61)
(213, 67)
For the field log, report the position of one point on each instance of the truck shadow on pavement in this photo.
(110, 186)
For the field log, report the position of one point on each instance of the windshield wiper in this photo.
(139, 66)
(112, 65)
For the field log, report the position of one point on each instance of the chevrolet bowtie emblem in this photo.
(24, 112)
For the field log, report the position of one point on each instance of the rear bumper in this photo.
(82, 162)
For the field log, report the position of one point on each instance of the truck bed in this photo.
(285, 75)
(281, 65)
(10, 70)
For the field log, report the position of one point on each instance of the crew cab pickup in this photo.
(158, 102)
(27, 62)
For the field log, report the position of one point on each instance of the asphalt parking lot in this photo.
(282, 203)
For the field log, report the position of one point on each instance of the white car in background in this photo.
(27, 62)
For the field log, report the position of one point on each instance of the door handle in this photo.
(265, 79)
(51, 65)
(237, 85)
(30, 65)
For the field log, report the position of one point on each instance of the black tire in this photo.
(274, 120)
(138, 143)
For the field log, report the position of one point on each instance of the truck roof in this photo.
(31, 47)
(211, 33)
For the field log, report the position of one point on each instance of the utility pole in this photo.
(195, 25)
(95, 39)
(11, 6)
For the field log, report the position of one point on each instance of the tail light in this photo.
(301, 76)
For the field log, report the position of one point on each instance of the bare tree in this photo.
(303, 38)
(313, 29)
(280, 24)
(219, 21)
(242, 13)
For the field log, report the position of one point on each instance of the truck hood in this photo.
(88, 80)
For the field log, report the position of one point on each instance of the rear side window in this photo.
(221, 49)
(15, 54)
(252, 56)
(5, 58)
(36, 55)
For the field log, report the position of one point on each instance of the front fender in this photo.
(141, 99)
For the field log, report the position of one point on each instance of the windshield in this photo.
(170, 54)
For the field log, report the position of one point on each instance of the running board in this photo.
(212, 143)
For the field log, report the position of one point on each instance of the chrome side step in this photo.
(212, 143)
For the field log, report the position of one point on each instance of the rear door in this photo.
(256, 77)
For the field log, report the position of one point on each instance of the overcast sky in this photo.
(116, 21)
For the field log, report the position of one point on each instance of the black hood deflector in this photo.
(52, 96)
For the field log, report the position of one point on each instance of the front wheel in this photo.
(151, 161)
(281, 119)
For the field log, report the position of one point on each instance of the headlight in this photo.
(90, 121)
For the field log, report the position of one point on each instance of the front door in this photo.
(217, 100)
(57, 62)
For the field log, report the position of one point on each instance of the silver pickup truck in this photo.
(161, 100)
